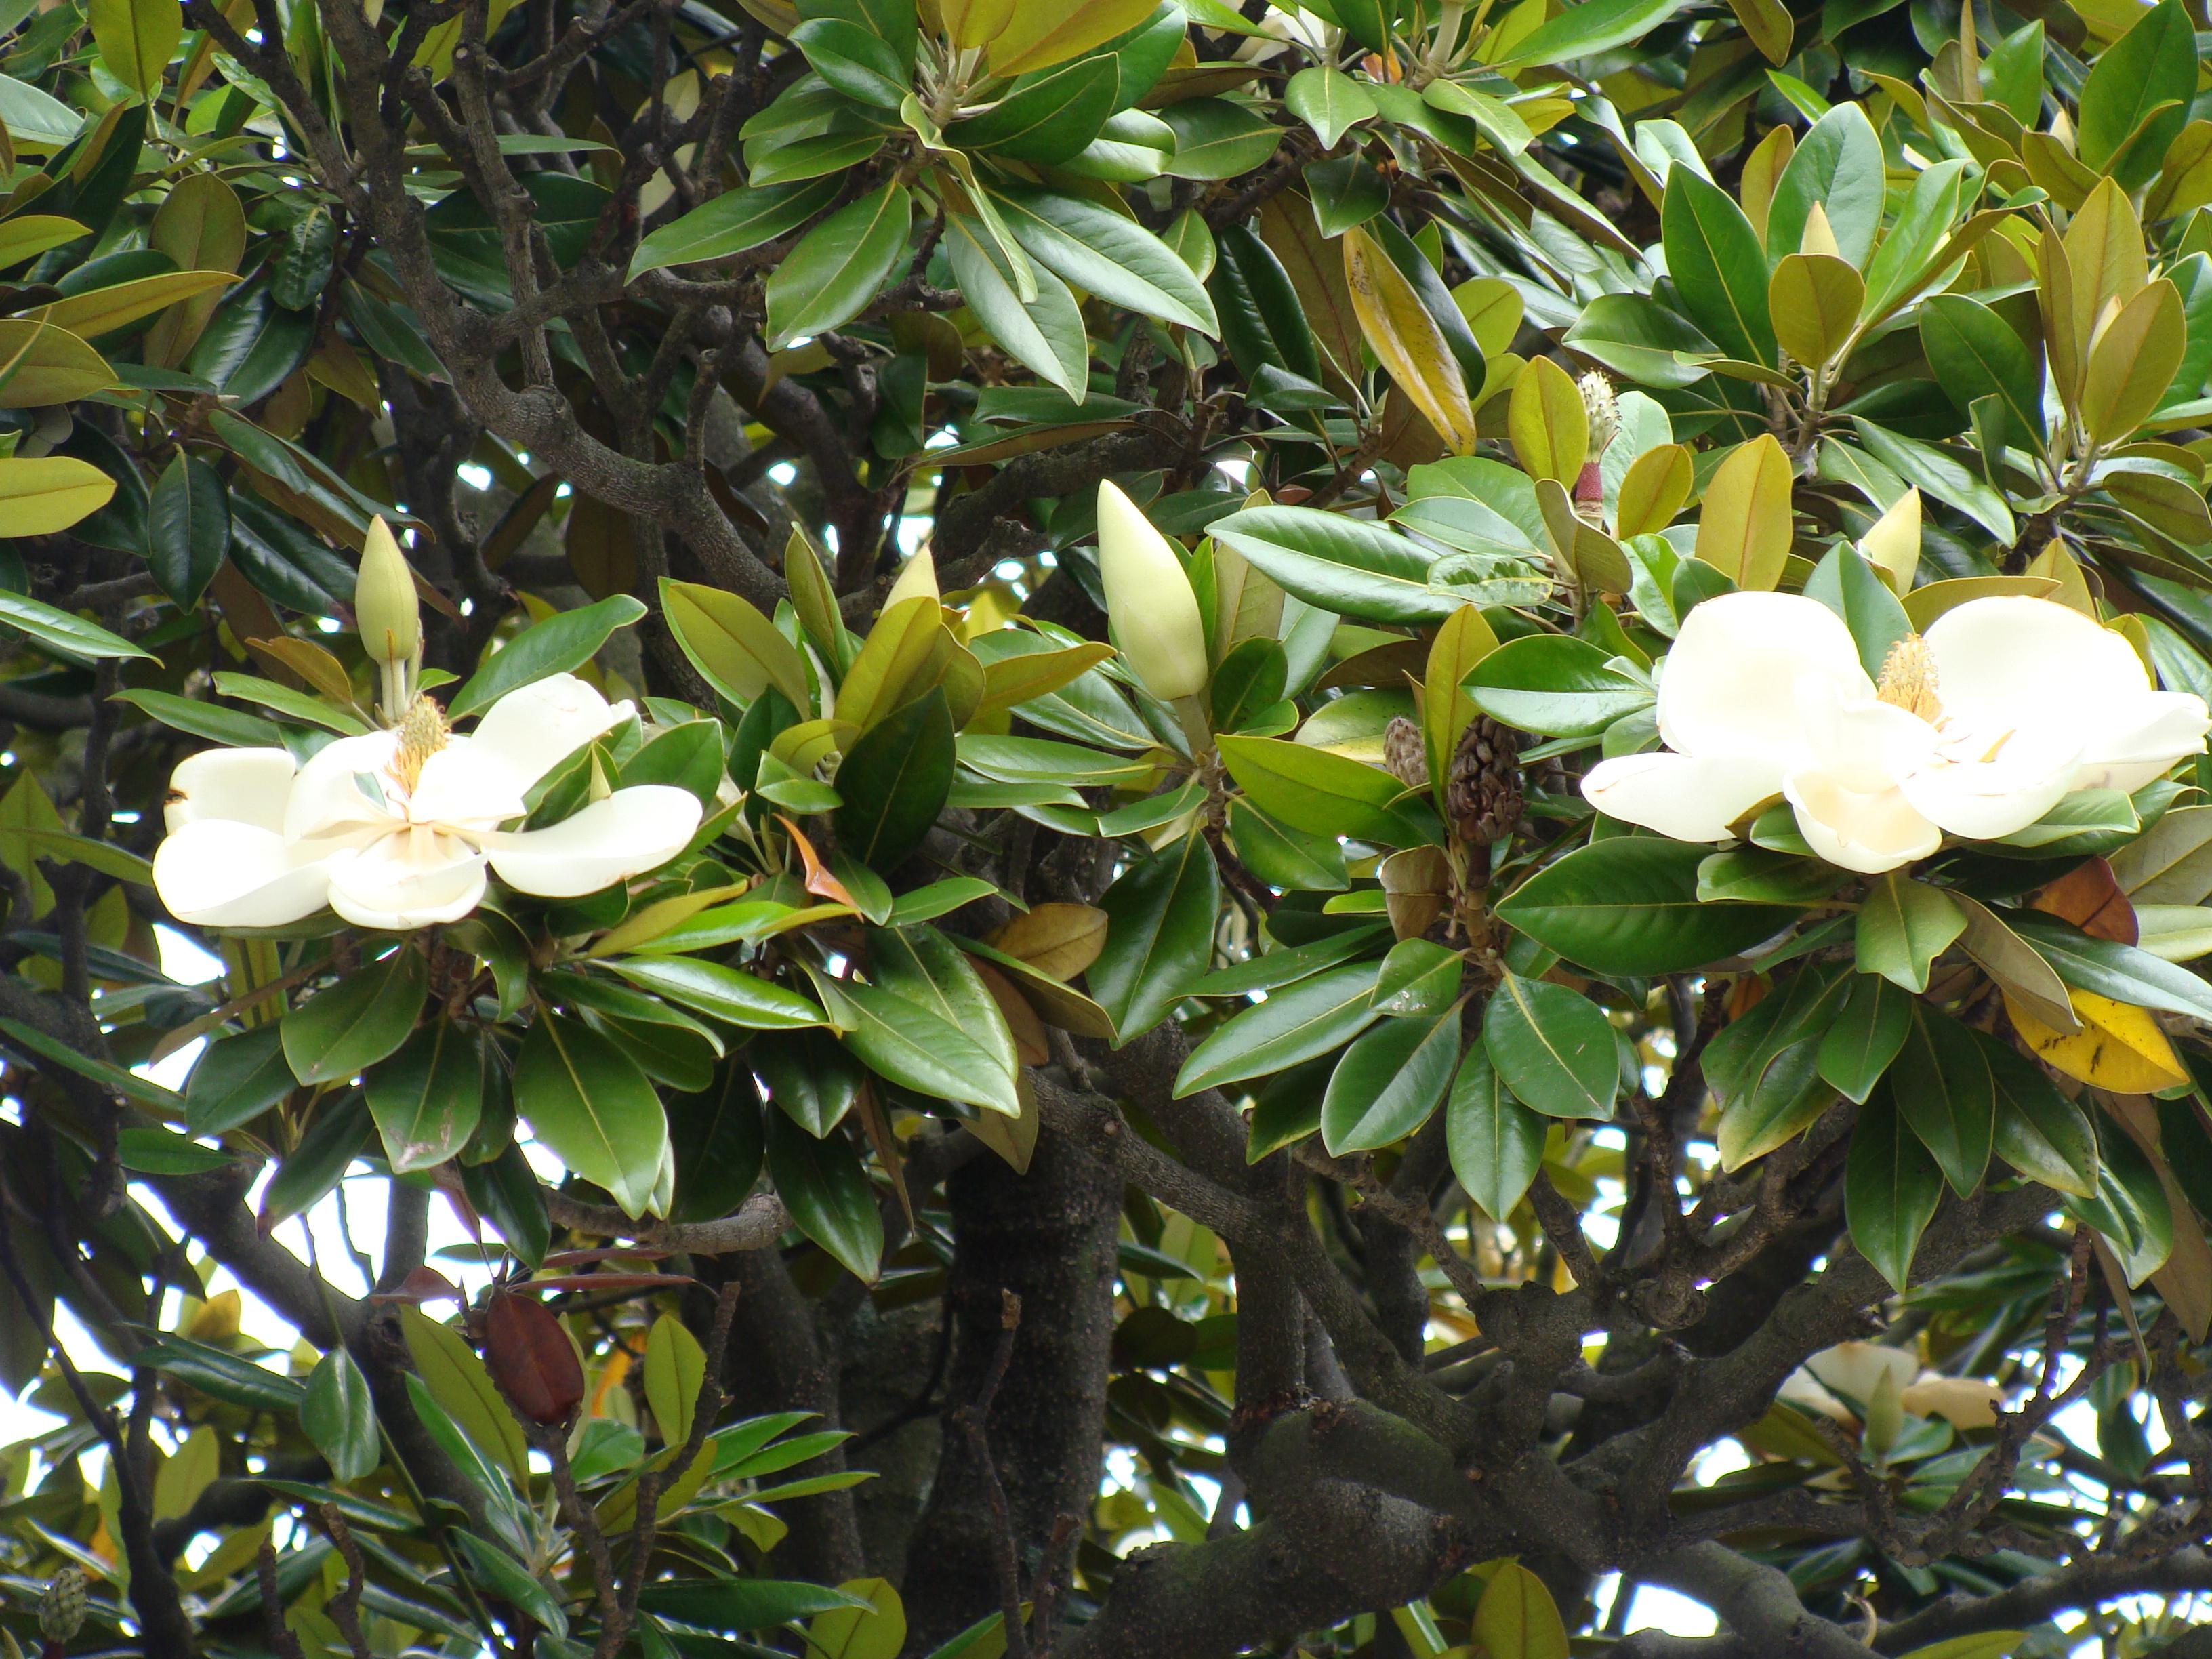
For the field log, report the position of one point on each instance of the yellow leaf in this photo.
(1768, 24)
(877, 1631)
(1041, 32)
(1893, 545)
(41, 364)
(1058, 939)
(216, 1319)
(1547, 422)
(104, 309)
(1762, 171)
(1407, 341)
(1744, 527)
(2119, 1046)
(2132, 359)
(2106, 261)
(973, 23)
(2063, 568)
(1464, 639)
(1656, 484)
(1491, 307)
(137, 39)
(1819, 236)
(40, 496)
(1814, 299)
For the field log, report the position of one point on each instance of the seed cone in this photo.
(1404, 754)
(1484, 796)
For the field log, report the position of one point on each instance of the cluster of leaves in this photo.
(1901, 320)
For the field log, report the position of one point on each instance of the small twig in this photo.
(272, 1611)
(344, 1608)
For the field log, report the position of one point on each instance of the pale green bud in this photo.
(385, 609)
(1148, 598)
(61, 1610)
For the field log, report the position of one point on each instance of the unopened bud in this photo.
(61, 1609)
(1148, 596)
(385, 609)
(1602, 410)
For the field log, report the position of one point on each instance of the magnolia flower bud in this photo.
(1155, 614)
(386, 613)
(61, 1609)
(1602, 409)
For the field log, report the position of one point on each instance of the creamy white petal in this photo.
(246, 786)
(410, 879)
(1687, 798)
(2142, 738)
(1857, 1368)
(2016, 661)
(1725, 687)
(1865, 745)
(1982, 799)
(631, 831)
(1869, 832)
(530, 728)
(328, 798)
(461, 788)
(216, 872)
(1963, 1402)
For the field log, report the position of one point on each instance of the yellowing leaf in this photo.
(105, 309)
(137, 39)
(2132, 359)
(1893, 545)
(973, 23)
(1464, 639)
(1768, 24)
(1041, 32)
(1408, 341)
(2060, 565)
(215, 1320)
(1744, 528)
(1058, 939)
(2119, 1046)
(1547, 422)
(1656, 484)
(1815, 299)
(1516, 1618)
(41, 364)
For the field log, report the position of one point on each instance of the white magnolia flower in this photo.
(1858, 1369)
(394, 830)
(1976, 730)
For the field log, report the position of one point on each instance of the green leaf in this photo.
(58, 631)
(1903, 926)
(1497, 1144)
(340, 1417)
(187, 529)
(1943, 1085)
(742, 217)
(220, 1374)
(830, 278)
(737, 650)
(2153, 63)
(1595, 26)
(1344, 565)
(1389, 1082)
(1108, 254)
(916, 1048)
(828, 1193)
(675, 1366)
(741, 1603)
(1629, 905)
(556, 646)
(1329, 101)
(1975, 354)
(860, 65)
(157, 1152)
(137, 39)
(1045, 334)
(427, 1097)
(1325, 794)
(1554, 1047)
(926, 968)
(718, 1136)
(1215, 138)
(458, 1383)
(366, 1015)
(1305, 1020)
(894, 781)
(1718, 266)
(1555, 684)
(1419, 976)
(1839, 165)
(1517, 1619)
(1891, 1189)
(236, 1079)
(1917, 232)
(1160, 916)
(1850, 586)
(592, 1107)
(1868, 1029)
(2040, 1133)
(729, 995)
(2109, 969)
(339, 1135)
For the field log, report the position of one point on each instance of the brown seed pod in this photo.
(532, 1359)
(1485, 797)
(1403, 754)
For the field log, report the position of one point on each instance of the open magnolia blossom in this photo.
(1976, 730)
(1860, 1368)
(395, 830)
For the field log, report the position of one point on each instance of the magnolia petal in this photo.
(1857, 1368)
(328, 798)
(1802, 1389)
(2014, 661)
(459, 788)
(1723, 689)
(531, 729)
(1863, 744)
(2144, 737)
(413, 879)
(1687, 798)
(217, 872)
(631, 831)
(1963, 1402)
(1982, 799)
(245, 786)
(1869, 832)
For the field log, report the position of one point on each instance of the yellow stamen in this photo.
(422, 733)
(1908, 679)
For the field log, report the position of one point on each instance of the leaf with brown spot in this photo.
(2090, 897)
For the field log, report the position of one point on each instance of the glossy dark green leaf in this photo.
(358, 1021)
(837, 267)
(1160, 917)
(504, 1189)
(821, 1183)
(1838, 164)
(1307, 1019)
(1891, 1189)
(1628, 904)
(1903, 926)
(1718, 265)
(809, 1076)
(1554, 1047)
(556, 646)
(741, 1603)
(1943, 1085)
(1554, 684)
(222, 1375)
(1497, 1144)
(236, 1079)
(729, 995)
(2153, 64)
(1868, 1029)
(1850, 586)
(1389, 1082)
(741, 217)
(187, 528)
(1345, 565)
(340, 1417)
(2122, 972)
(2039, 1132)
(426, 1098)
(340, 1132)
(592, 1107)
(893, 780)
(918, 1048)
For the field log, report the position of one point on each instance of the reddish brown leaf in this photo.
(532, 1359)
(2090, 897)
(819, 881)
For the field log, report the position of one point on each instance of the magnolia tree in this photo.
(1096, 829)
